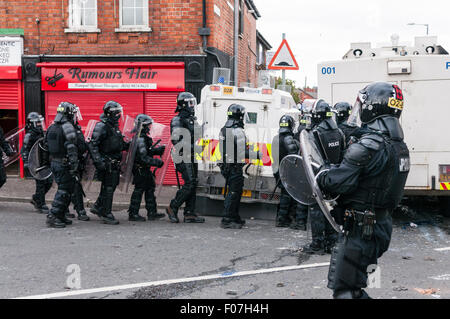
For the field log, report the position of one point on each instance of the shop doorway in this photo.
(9, 120)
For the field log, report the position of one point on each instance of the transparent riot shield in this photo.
(13, 137)
(131, 134)
(161, 136)
(37, 165)
(311, 161)
(89, 168)
(294, 179)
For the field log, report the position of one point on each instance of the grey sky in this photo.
(322, 30)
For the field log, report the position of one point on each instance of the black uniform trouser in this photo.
(77, 196)
(287, 206)
(42, 188)
(110, 179)
(352, 256)
(321, 229)
(2, 173)
(235, 178)
(187, 193)
(301, 212)
(65, 182)
(144, 184)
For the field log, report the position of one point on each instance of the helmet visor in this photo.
(308, 105)
(354, 119)
(38, 122)
(78, 115)
(192, 102)
(117, 111)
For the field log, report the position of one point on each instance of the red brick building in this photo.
(198, 33)
(140, 53)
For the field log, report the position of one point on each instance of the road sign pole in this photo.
(283, 72)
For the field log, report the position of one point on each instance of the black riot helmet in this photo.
(376, 100)
(35, 120)
(144, 121)
(343, 111)
(286, 124)
(186, 102)
(68, 111)
(320, 111)
(113, 110)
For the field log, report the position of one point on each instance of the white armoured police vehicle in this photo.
(264, 108)
(422, 72)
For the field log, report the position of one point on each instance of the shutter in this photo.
(161, 107)
(10, 94)
(91, 103)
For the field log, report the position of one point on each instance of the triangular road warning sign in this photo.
(283, 58)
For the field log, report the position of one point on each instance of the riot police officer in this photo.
(78, 194)
(330, 141)
(34, 130)
(143, 176)
(343, 111)
(370, 181)
(235, 151)
(106, 147)
(4, 148)
(182, 125)
(285, 143)
(61, 142)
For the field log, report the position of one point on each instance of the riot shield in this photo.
(311, 161)
(13, 137)
(131, 134)
(294, 179)
(161, 134)
(38, 167)
(89, 167)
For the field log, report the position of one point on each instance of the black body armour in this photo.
(331, 141)
(107, 140)
(240, 152)
(187, 121)
(61, 139)
(31, 136)
(382, 183)
(81, 142)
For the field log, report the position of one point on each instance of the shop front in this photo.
(140, 87)
(11, 88)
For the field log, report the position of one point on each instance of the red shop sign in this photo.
(112, 76)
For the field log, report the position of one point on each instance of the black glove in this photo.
(157, 162)
(100, 166)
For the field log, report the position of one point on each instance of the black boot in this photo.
(82, 215)
(315, 248)
(230, 223)
(283, 221)
(95, 210)
(351, 294)
(154, 215)
(53, 221)
(298, 225)
(172, 214)
(135, 217)
(190, 217)
(109, 219)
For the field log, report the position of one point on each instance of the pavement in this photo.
(20, 190)
(159, 260)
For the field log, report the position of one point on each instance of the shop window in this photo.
(82, 16)
(133, 16)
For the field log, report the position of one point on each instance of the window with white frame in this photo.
(82, 15)
(133, 15)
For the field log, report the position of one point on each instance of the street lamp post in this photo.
(424, 24)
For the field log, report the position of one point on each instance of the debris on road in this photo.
(400, 288)
(232, 293)
(430, 291)
(280, 284)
